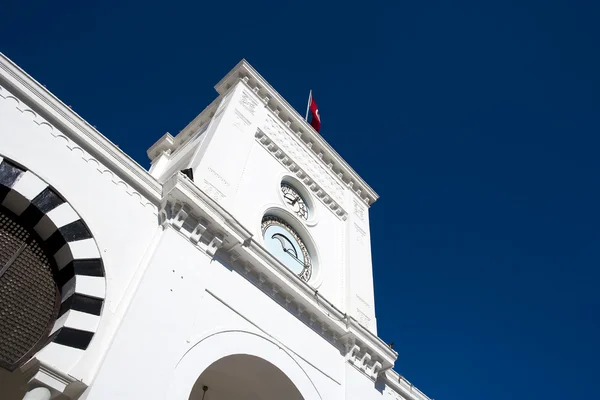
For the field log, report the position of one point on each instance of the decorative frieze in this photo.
(399, 387)
(298, 161)
(248, 102)
(297, 125)
(122, 180)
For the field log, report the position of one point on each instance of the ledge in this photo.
(165, 144)
(60, 385)
(400, 385)
(187, 209)
(173, 143)
(311, 139)
(78, 130)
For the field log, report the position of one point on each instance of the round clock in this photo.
(294, 200)
(284, 243)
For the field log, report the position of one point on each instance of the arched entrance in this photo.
(244, 377)
(254, 363)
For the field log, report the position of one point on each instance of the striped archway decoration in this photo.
(78, 270)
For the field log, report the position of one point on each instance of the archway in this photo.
(252, 350)
(244, 377)
(46, 252)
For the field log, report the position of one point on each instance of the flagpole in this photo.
(308, 105)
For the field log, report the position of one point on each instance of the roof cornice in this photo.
(80, 131)
(297, 125)
(401, 385)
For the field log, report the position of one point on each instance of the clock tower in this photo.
(254, 155)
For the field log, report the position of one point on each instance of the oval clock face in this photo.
(294, 200)
(284, 243)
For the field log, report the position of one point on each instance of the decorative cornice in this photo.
(315, 177)
(166, 144)
(187, 209)
(311, 139)
(87, 138)
(397, 383)
(59, 384)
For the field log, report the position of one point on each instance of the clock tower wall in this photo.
(241, 155)
(323, 233)
(360, 298)
(219, 160)
(245, 156)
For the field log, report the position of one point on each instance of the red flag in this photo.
(315, 122)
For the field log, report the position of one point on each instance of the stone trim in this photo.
(297, 168)
(59, 384)
(297, 126)
(191, 212)
(62, 122)
(400, 388)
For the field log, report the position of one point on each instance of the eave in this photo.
(41, 102)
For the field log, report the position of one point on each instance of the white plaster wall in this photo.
(218, 165)
(360, 295)
(244, 177)
(182, 157)
(184, 298)
(259, 191)
(118, 219)
(358, 386)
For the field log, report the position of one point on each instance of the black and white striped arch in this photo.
(79, 271)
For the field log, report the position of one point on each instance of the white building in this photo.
(251, 280)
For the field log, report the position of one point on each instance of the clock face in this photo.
(294, 200)
(282, 241)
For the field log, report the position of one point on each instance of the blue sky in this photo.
(477, 122)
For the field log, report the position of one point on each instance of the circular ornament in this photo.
(294, 201)
(284, 243)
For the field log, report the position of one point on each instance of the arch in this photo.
(78, 268)
(244, 377)
(217, 346)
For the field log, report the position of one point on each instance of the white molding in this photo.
(402, 386)
(60, 384)
(168, 143)
(294, 122)
(317, 181)
(41, 101)
(246, 255)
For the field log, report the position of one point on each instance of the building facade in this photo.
(237, 267)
